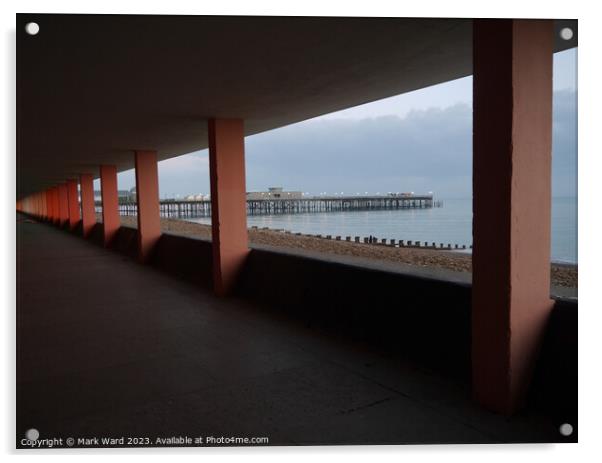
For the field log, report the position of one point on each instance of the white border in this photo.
(589, 223)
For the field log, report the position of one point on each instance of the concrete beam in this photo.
(512, 98)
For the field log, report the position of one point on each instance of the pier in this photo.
(202, 208)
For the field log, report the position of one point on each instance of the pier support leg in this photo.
(110, 203)
(63, 198)
(88, 210)
(228, 201)
(147, 200)
(512, 98)
(73, 206)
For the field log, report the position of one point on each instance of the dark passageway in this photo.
(108, 347)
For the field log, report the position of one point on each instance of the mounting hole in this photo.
(32, 434)
(32, 28)
(566, 33)
(566, 429)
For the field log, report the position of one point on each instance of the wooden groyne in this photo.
(389, 242)
(202, 208)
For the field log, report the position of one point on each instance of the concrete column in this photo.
(54, 198)
(73, 206)
(228, 201)
(86, 182)
(147, 199)
(63, 204)
(49, 209)
(44, 205)
(110, 203)
(512, 107)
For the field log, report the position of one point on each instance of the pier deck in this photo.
(202, 208)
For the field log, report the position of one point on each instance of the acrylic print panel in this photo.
(278, 231)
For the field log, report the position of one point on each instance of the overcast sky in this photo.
(419, 141)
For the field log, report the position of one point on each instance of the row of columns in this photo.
(57, 204)
(65, 207)
(512, 98)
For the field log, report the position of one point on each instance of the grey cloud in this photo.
(428, 150)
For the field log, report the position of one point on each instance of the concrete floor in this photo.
(108, 347)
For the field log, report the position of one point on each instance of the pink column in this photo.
(110, 203)
(228, 201)
(48, 203)
(52, 199)
(86, 182)
(73, 206)
(44, 205)
(63, 204)
(147, 199)
(55, 205)
(512, 189)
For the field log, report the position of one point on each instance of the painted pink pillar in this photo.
(86, 182)
(147, 200)
(228, 201)
(512, 98)
(44, 213)
(48, 204)
(41, 197)
(110, 203)
(54, 205)
(73, 206)
(63, 204)
(55, 201)
(49, 199)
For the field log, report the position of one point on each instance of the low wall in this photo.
(425, 320)
(555, 384)
(185, 257)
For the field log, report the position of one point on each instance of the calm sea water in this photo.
(451, 223)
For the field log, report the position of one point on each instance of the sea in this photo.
(449, 224)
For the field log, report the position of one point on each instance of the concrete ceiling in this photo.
(92, 88)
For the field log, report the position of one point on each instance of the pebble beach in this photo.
(562, 274)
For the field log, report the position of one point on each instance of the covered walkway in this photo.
(108, 347)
